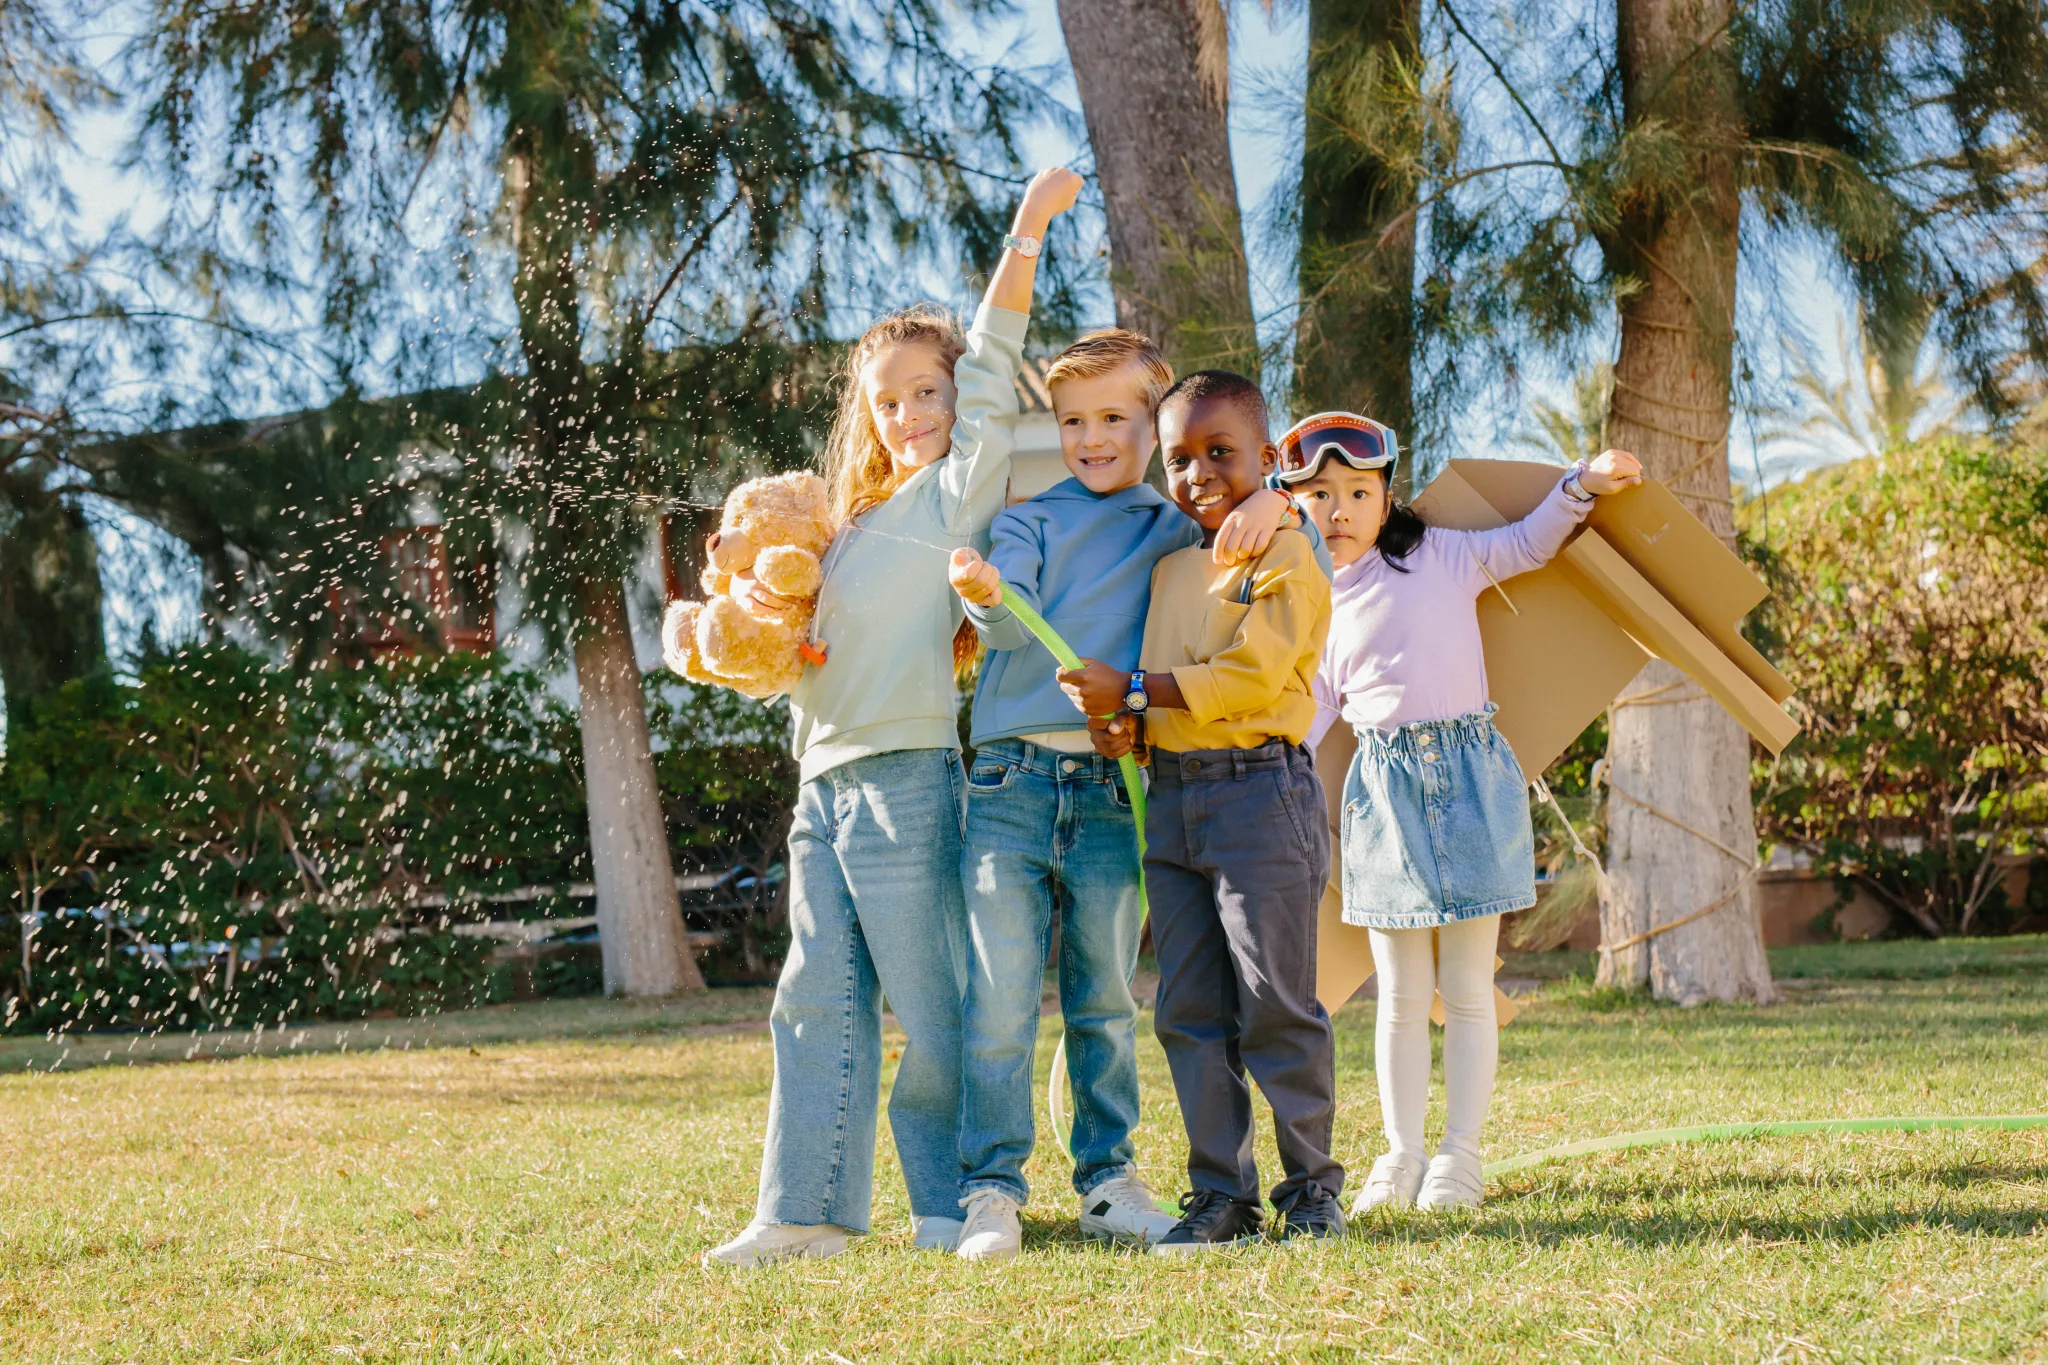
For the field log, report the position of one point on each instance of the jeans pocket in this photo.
(1285, 781)
(989, 775)
(1118, 795)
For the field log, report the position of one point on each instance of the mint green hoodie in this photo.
(886, 614)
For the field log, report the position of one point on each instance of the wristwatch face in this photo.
(1026, 247)
(1136, 701)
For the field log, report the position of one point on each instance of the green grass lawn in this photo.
(537, 1183)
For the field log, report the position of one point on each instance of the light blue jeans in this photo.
(1048, 835)
(874, 911)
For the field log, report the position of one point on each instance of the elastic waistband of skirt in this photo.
(1420, 736)
(1226, 765)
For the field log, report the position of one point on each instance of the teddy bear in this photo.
(774, 532)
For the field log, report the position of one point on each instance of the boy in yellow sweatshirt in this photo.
(1237, 842)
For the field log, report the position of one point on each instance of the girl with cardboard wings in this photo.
(1437, 844)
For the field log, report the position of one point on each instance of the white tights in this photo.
(1460, 970)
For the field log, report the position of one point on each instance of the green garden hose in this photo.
(1134, 786)
(1718, 1132)
(1728, 1132)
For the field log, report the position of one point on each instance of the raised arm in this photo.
(972, 480)
(1532, 542)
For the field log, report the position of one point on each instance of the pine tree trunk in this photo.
(1355, 338)
(1154, 83)
(50, 627)
(640, 930)
(1675, 757)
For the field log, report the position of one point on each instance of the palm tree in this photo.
(1889, 392)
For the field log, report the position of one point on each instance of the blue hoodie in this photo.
(1083, 561)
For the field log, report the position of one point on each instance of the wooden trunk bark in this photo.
(1675, 758)
(1355, 339)
(640, 929)
(1160, 132)
(50, 627)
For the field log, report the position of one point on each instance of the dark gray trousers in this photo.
(1237, 852)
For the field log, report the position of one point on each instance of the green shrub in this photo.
(227, 843)
(1910, 611)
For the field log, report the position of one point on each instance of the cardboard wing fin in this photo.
(1642, 579)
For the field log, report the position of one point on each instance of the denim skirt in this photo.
(1436, 826)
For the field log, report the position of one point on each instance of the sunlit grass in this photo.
(540, 1196)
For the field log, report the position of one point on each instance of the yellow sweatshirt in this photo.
(1243, 643)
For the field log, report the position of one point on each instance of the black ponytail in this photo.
(1401, 536)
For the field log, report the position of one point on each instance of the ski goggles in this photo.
(1358, 441)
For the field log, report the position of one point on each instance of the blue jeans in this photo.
(874, 911)
(1048, 834)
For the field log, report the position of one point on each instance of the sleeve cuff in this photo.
(1198, 689)
(1006, 323)
(987, 616)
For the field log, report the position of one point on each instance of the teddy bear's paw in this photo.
(788, 571)
(715, 581)
(738, 644)
(679, 636)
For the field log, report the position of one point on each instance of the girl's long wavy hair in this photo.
(859, 473)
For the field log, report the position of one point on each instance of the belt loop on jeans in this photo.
(1237, 765)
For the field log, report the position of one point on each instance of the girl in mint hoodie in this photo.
(917, 464)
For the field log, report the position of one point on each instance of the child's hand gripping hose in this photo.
(1134, 786)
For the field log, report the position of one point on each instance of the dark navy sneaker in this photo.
(1313, 1214)
(1211, 1221)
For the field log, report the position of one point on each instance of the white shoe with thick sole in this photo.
(991, 1230)
(762, 1244)
(1124, 1209)
(935, 1233)
(1453, 1182)
(1393, 1183)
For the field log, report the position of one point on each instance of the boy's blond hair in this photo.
(859, 473)
(1109, 350)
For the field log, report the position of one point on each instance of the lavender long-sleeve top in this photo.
(1405, 647)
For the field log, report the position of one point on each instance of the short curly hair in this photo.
(1227, 385)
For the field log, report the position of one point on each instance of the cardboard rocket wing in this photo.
(1642, 579)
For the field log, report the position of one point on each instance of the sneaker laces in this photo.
(1312, 1205)
(1199, 1209)
(985, 1210)
(1128, 1192)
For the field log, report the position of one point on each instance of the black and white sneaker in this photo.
(1312, 1215)
(1211, 1221)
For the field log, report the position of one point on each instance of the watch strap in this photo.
(1027, 247)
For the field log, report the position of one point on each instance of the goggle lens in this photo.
(1359, 447)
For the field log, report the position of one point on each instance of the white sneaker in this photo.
(935, 1233)
(1454, 1182)
(762, 1244)
(1124, 1209)
(1392, 1183)
(991, 1231)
